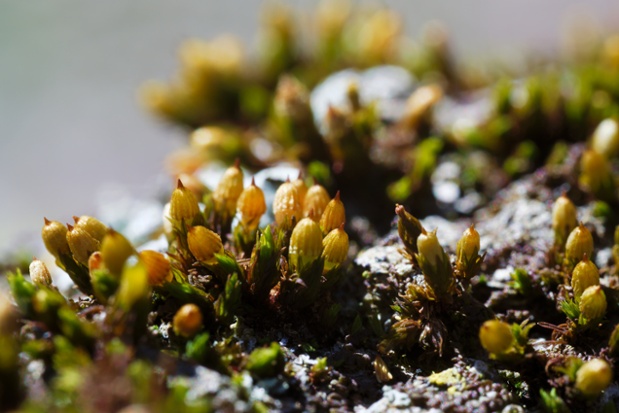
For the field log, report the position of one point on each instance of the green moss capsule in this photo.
(334, 215)
(251, 206)
(115, 250)
(81, 244)
(39, 274)
(496, 336)
(204, 244)
(187, 321)
(183, 204)
(593, 303)
(316, 201)
(564, 219)
(593, 377)
(579, 243)
(305, 243)
(335, 248)
(584, 275)
(229, 190)
(157, 267)
(54, 235)
(286, 205)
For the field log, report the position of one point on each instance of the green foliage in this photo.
(266, 361)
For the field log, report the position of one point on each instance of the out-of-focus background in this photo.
(71, 128)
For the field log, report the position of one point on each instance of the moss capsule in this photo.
(579, 243)
(419, 104)
(157, 267)
(334, 215)
(605, 138)
(39, 274)
(92, 226)
(54, 236)
(596, 174)
(251, 206)
(299, 184)
(229, 190)
(115, 250)
(468, 246)
(335, 248)
(584, 275)
(81, 244)
(204, 244)
(183, 204)
(429, 247)
(564, 219)
(286, 205)
(305, 243)
(496, 336)
(316, 201)
(593, 303)
(593, 377)
(187, 321)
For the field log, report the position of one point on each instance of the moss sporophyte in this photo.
(268, 289)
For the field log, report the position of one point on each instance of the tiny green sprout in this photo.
(551, 402)
(613, 341)
(320, 370)
(593, 377)
(521, 282)
(266, 361)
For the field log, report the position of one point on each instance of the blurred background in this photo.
(72, 132)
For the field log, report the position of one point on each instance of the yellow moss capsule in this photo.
(596, 174)
(585, 275)
(429, 248)
(193, 183)
(563, 218)
(81, 244)
(229, 190)
(157, 267)
(92, 226)
(593, 303)
(467, 248)
(496, 336)
(251, 206)
(316, 201)
(115, 249)
(39, 274)
(593, 377)
(208, 139)
(334, 215)
(183, 204)
(54, 236)
(419, 104)
(204, 244)
(335, 248)
(605, 139)
(305, 243)
(168, 227)
(187, 321)
(286, 205)
(299, 184)
(579, 243)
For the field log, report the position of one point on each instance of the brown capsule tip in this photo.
(70, 227)
(585, 258)
(75, 218)
(288, 179)
(46, 221)
(179, 184)
(300, 176)
(399, 209)
(253, 181)
(472, 227)
(337, 196)
(341, 227)
(314, 180)
(237, 163)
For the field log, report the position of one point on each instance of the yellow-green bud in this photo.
(605, 139)
(204, 244)
(54, 236)
(579, 243)
(299, 184)
(305, 243)
(585, 275)
(593, 377)
(183, 204)
(187, 321)
(286, 205)
(81, 244)
(334, 215)
(496, 336)
(115, 250)
(335, 248)
(596, 174)
(251, 206)
(564, 219)
(467, 248)
(39, 274)
(419, 103)
(316, 201)
(429, 247)
(157, 267)
(229, 190)
(592, 303)
(134, 285)
(92, 226)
